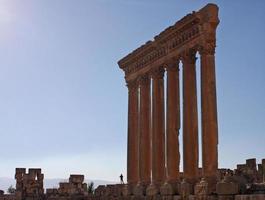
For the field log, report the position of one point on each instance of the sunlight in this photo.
(6, 15)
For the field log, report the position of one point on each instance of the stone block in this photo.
(251, 163)
(227, 188)
(176, 197)
(152, 190)
(201, 189)
(139, 190)
(76, 178)
(250, 197)
(185, 189)
(226, 197)
(169, 189)
(167, 197)
(127, 190)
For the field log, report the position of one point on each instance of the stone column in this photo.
(145, 134)
(158, 127)
(173, 122)
(209, 113)
(190, 118)
(133, 138)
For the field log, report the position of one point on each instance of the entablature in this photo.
(192, 31)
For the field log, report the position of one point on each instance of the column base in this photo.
(127, 190)
(153, 189)
(169, 188)
(212, 181)
(185, 189)
(139, 189)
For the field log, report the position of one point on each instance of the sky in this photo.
(63, 99)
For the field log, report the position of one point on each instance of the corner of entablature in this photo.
(132, 84)
(209, 14)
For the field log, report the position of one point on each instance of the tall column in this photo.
(209, 112)
(173, 121)
(158, 126)
(190, 118)
(133, 135)
(145, 134)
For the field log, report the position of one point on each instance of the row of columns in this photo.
(146, 124)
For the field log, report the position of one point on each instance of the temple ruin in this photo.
(151, 128)
(155, 118)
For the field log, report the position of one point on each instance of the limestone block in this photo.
(76, 178)
(250, 197)
(192, 197)
(226, 188)
(167, 197)
(127, 190)
(185, 189)
(176, 197)
(251, 163)
(152, 190)
(139, 190)
(226, 197)
(169, 189)
(201, 189)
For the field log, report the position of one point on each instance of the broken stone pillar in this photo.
(133, 138)
(190, 118)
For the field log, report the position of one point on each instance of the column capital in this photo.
(188, 56)
(158, 73)
(172, 65)
(144, 79)
(132, 84)
(207, 49)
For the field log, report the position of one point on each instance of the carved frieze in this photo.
(195, 29)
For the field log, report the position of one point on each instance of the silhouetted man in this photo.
(121, 178)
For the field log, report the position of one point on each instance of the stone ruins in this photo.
(155, 118)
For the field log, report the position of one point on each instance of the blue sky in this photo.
(63, 102)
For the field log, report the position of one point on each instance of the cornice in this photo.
(197, 26)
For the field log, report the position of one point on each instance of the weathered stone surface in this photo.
(169, 189)
(139, 190)
(127, 190)
(226, 197)
(185, 189)
(201, 190)
(173, 121)
(250, 197)
(227, 188)
(152, 190)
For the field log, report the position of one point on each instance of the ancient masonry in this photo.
(154, 122)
